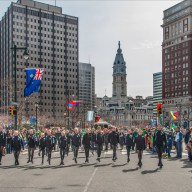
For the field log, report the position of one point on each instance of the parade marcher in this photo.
(42, 146)
(87, 144)
(32, 141)
(188, 143)
(114, 140)
(121, 140)
(140, 146)
(9, 142)
(68, 135)
(134, 134)
(17, 145)
(128, 143)
(169, 138)
(76, 143)
(99, 143)
(106, 139)
(93, 139)
(62, 145)
(178, 142)
(49, 145)
(159, 142)
(2, 143)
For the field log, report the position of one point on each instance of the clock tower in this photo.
(119, 76)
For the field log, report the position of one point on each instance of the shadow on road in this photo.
(119, 165)
(186, 163)
(129, 170)
(103, 165)
(87, 165)
(150, 171)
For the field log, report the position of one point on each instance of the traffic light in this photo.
(14, 110)
(159, 108)
(11, 108)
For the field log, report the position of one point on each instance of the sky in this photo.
(136, 24)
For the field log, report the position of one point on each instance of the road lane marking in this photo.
(91, 178)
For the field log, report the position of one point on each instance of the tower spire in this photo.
(119, 45)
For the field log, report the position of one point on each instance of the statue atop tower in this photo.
(119, 76)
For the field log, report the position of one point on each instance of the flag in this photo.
(33, 80)
(97, 118)
(70, 106)
(76, 103)
(174, 114)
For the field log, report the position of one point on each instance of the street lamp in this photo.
(36, 107)
(179, 107)
(26, 57)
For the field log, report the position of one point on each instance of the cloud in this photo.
(146, 44)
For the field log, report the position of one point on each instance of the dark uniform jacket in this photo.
(114, 138)
(62, 142)
(93, 136)
(42, 143)
(49, 141)
(2, 139)
(129, 140)
(32, 141)
(76, 140)
(17, 143)
(106, 137)
(160, 139)
(99, 139)
(86, 140)
(140, 142)
(68, 138)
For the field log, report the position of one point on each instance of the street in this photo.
(106, 176)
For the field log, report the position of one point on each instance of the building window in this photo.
(185, 25)
(166, 33)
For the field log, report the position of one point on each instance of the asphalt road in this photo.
(106, 176)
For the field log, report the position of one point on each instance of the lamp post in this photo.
(179, 107)
(68, 92)
(36, 107)
(26, 57)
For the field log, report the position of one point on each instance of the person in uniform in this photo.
(42, 146)
(128, 143)
(99, 143)
(140, 146)
(76, 143)
(106, 139)
(17, 145)
(68, 135)
(114, 140)
(159, 142)
(62, 145)
(32, 140)
(93, 139)
(49, 145)
(2, 142)
(87, 144)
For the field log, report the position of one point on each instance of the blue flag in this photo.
(34, 77)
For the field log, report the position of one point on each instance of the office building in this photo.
(51, 38)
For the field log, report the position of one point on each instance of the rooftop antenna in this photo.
(105, 92)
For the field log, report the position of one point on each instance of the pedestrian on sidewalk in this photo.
(178, 142)
(17, 145)
(87, 144)
(128, 143)
(188, 143)
(2, 142)
(140, 146)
